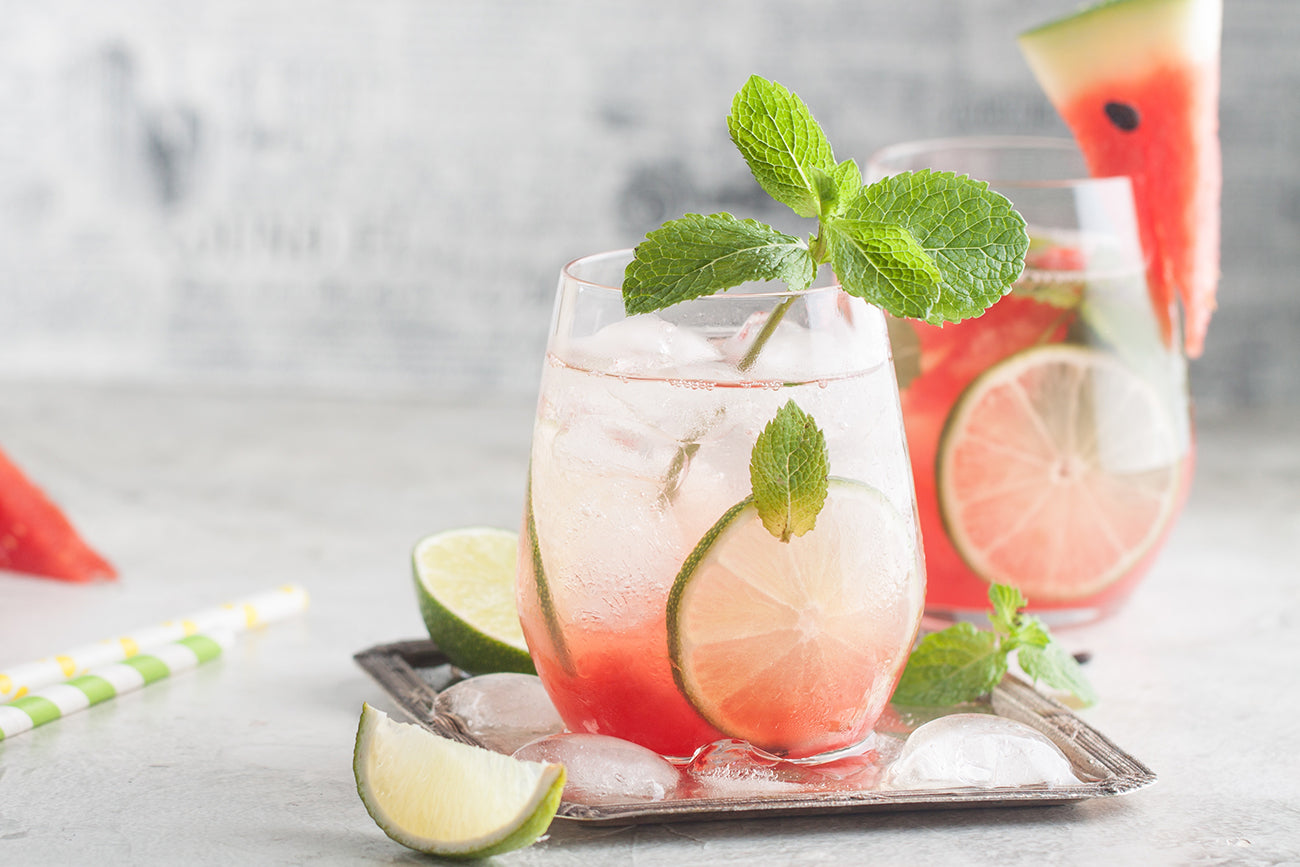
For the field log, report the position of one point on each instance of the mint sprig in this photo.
(962, 663)
(789, 473)
(922, 245)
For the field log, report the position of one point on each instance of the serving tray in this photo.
(413, 672)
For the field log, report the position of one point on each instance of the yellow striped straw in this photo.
(238, 616)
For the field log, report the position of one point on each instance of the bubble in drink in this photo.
(503, 711)
(979, 751)
(604, 770)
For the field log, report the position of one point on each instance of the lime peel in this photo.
(445, 798)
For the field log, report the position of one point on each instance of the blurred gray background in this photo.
(377, 195)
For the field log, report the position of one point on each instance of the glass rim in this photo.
(568, 273)
(998, 143)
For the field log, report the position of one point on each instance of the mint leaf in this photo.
(884, 265)
(783, 144)
(1030, 632)
(973, 235)
(700, 255)
(848, 179)
(1006, 601)
(1054, 666)
(789, 470)
(958, 664)
(837, 187)
(828, 189)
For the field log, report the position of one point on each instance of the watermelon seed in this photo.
(1123, 115)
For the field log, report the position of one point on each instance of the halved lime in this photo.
(1057, 471)
(438, 796)
(465, 582)
(795, 646)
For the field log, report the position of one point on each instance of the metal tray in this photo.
(412, 673)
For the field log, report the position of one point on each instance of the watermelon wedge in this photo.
(37, 538)
(1137, 81)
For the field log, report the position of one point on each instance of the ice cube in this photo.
(980, 751)
(795, 353)
(619, 445)
(734, 769)
(504, 711)
(604, 770)
(641, 345)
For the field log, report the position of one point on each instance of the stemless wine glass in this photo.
(1050, 438)
(656, 605)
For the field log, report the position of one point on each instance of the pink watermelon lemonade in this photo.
(1049, 438)
(656, 606)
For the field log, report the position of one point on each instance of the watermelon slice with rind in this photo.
(1137, 81)
(36, 538)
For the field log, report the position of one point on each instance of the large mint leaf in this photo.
(958, 664)
(699, 255)
(789, 471)
(973, 235)
(783, 144)
(885, 265)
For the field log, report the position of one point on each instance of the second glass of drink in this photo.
(1050, 437)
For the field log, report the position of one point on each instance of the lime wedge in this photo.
(1058, 470)
(795, 646)
(445, 798)
(465, 582)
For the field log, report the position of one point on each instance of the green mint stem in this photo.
(764, 334)
(817, 247)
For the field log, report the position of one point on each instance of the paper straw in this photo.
(237, 616)
(61, 699)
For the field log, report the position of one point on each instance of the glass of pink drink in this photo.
(1050, 438)
(656, 606)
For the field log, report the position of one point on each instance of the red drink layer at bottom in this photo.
(1049, 441)
(624, 687)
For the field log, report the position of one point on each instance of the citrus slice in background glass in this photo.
(435, 795)
(465, 583)
(1057, 471)
(795, 646)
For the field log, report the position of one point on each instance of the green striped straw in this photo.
(251, 612)
(61, 699)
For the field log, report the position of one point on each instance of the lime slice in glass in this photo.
(1057, 470)
(795, 646)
